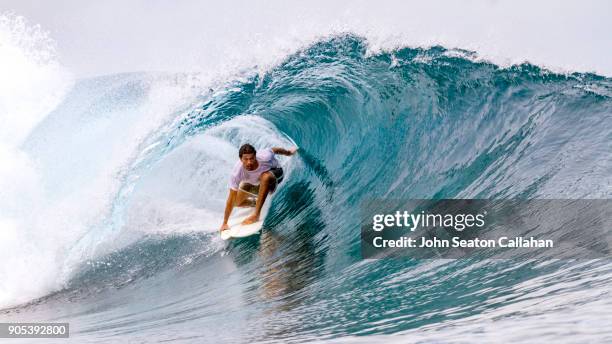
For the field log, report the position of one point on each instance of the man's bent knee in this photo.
(267, 178)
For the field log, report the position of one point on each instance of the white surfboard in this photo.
(237, 229)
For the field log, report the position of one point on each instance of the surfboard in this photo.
(237, 229)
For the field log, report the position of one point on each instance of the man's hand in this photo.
(282, 151)
(229, 205)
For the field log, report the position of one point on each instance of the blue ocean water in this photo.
(412, 123)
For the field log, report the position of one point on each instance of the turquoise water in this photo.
(413, 123)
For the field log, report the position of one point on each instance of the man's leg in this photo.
(267, 181)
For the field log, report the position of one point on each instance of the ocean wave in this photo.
(407, 123)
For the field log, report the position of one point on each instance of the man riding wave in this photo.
(253, 169)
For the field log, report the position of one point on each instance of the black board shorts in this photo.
(278, 173)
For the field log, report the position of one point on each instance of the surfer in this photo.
(253, 169)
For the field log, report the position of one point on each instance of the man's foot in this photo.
(251, 219)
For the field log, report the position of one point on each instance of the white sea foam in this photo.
(32, 83)
(62, 158)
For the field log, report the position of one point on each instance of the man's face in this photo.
(249, 162)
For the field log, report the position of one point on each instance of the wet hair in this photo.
(246, 149)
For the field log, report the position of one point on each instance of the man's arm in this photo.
(229, 205)
(282, 151)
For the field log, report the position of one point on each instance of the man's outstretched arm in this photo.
(229, 205)
(283, 151)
